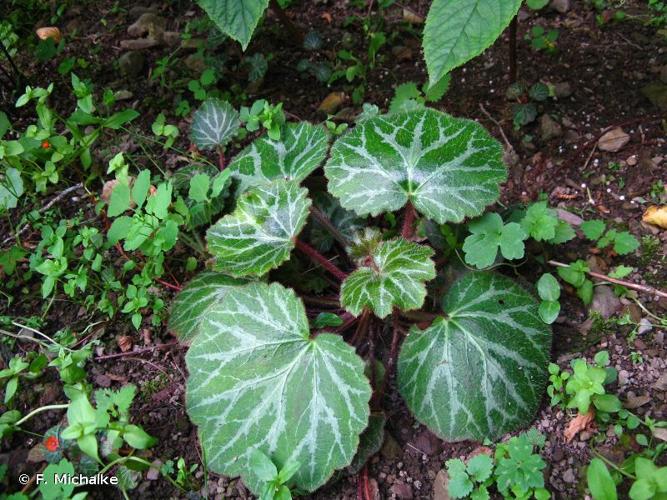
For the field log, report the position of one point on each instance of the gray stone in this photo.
(605, 302)
(130, 64)
(148, 24)
(139, 44)
(661, 383)
(562, 90)
(561, 6)
(569, 476)
(402, 490)
(549, 128)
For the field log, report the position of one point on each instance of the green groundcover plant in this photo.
(269, 376)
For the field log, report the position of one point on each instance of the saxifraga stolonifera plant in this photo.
(297, 377)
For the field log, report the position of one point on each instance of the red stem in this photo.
(320, 259)
(221, 159)
(408, 221)
(169, 285)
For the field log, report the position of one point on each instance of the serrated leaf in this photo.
(540, 221)
(593, 229)
(458, 30)
(448, 168)
(480, 371)
(259, 234)
(300, 150)
(259, 381)
(490, 234)
(214, 124)
(236, 18)
(406, 97)
(190, 305)
(394, 276)
(562, 233)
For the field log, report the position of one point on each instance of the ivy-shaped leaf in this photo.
(448, 168)
(190, 305)
(259, 234)
(458, 30)
(236, 18)
(214, 124)
(300, 150)
(258, 381)
(395, 275)
(488, 235)
(479, 371)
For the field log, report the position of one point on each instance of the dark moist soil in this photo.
(605, 68)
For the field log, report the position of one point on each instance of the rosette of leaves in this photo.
(260, 382)
(204, 189)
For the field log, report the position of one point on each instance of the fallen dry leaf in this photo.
(578, 424)
(327, 17)
(125, 343)
(49, 32)
(656, 215)
(332, 102)
(412, 17)
(660, 433)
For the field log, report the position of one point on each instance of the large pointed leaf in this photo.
(190, 305)
(214, 124)
(395, 275)
(449, 168)
(236, 18)
(458, 30)
(259, 234)
(480, 371)
(300, 150)
(259, 381)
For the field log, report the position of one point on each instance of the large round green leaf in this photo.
(458, 30)
(449, 168)
(259, 381)
(395, 275)
(190, 305)
(259, 234)
(300, 150)
(480, 371)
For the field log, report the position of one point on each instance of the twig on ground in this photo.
(55, 200)
(139, 351)
(642, 288)
(500, 128)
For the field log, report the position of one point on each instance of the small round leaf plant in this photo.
(293, 369)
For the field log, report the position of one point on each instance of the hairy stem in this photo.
(408, 221)
(320, 259)
(642, 288)
(326, 223)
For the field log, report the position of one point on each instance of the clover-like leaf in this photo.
(258, 381)
(479, 371)
(190, 305)
(214, 124)
(458, 30)
(235, 18)
(488, 234)
(395, 275)
(300, 150)
(448, 168)
(259, 234)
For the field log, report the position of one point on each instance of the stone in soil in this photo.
(549, 128)
(130, 64)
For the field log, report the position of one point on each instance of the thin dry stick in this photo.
(140, 351)
(55, 200)
(500, 128)
(642, 288)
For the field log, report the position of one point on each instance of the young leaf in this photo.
(395, 276)
(480, 371)
(140, 187)
(449, 168)
(235, 18)
(593, 229)
(489, 233)
(540, 221)
(548, 287)
(625, 243)
(199, 185)
(214, 124)
(459, 484)
(259, 234)
(119, 201)
(190, 305)
(458, 30)
(262, 466)
(253, 367)
(301, 149)
(549, 310)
